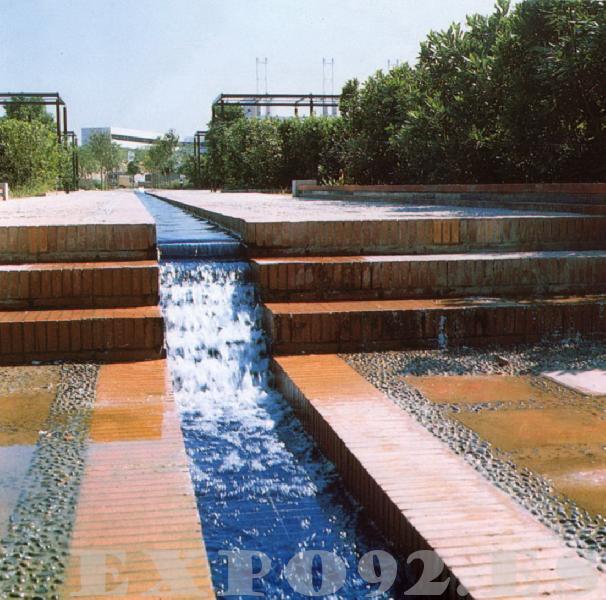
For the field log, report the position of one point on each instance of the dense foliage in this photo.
(519, 95)
(271, 152)
(31, 161)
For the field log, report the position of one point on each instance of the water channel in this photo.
(261, 483)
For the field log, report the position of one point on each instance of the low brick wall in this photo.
(423, 496)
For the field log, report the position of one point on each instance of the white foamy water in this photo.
(216, 351)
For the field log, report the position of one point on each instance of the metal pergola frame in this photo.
(41, 99)
(295, 101)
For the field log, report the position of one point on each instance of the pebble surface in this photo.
(34, 552)
(581, 530)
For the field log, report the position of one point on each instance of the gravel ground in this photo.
(33, 555)
(579, 528)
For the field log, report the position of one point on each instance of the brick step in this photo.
(358, 325)
(81, 334)
(429, 235)
(54, 243)
(79, 285)
(83, 226)
(430, 276)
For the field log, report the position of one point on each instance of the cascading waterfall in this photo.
(260, 482)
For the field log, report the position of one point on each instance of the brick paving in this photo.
(426, 498)
(137, 531)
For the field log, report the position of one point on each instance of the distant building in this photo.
(129, 139)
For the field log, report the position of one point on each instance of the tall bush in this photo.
(29, 155)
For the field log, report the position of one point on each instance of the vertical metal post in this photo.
(311, 105)
(75, 162)
(58, 113)
(197, 157)
(65, 125)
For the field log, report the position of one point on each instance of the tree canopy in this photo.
(102, 154)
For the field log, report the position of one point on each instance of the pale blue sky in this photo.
(157, 64)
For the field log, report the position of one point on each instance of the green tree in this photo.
(29, 155)
(371, 112)
(106, 155)
(133, 168)
(161, 158)
(87, 162)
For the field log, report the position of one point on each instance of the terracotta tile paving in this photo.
(424, 496)
(552, 430)
(477, 389)
(137, 531)
(564, 444)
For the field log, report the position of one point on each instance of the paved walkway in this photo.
(77, 208)
(137, 530)
(274, 208)
(427, 498)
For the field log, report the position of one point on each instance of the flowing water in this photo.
(184, 235)
(261, 483)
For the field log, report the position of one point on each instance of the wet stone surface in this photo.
(35, 544)
(546, 446)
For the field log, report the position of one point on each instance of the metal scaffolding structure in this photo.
(41, 99)
(296, 101)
